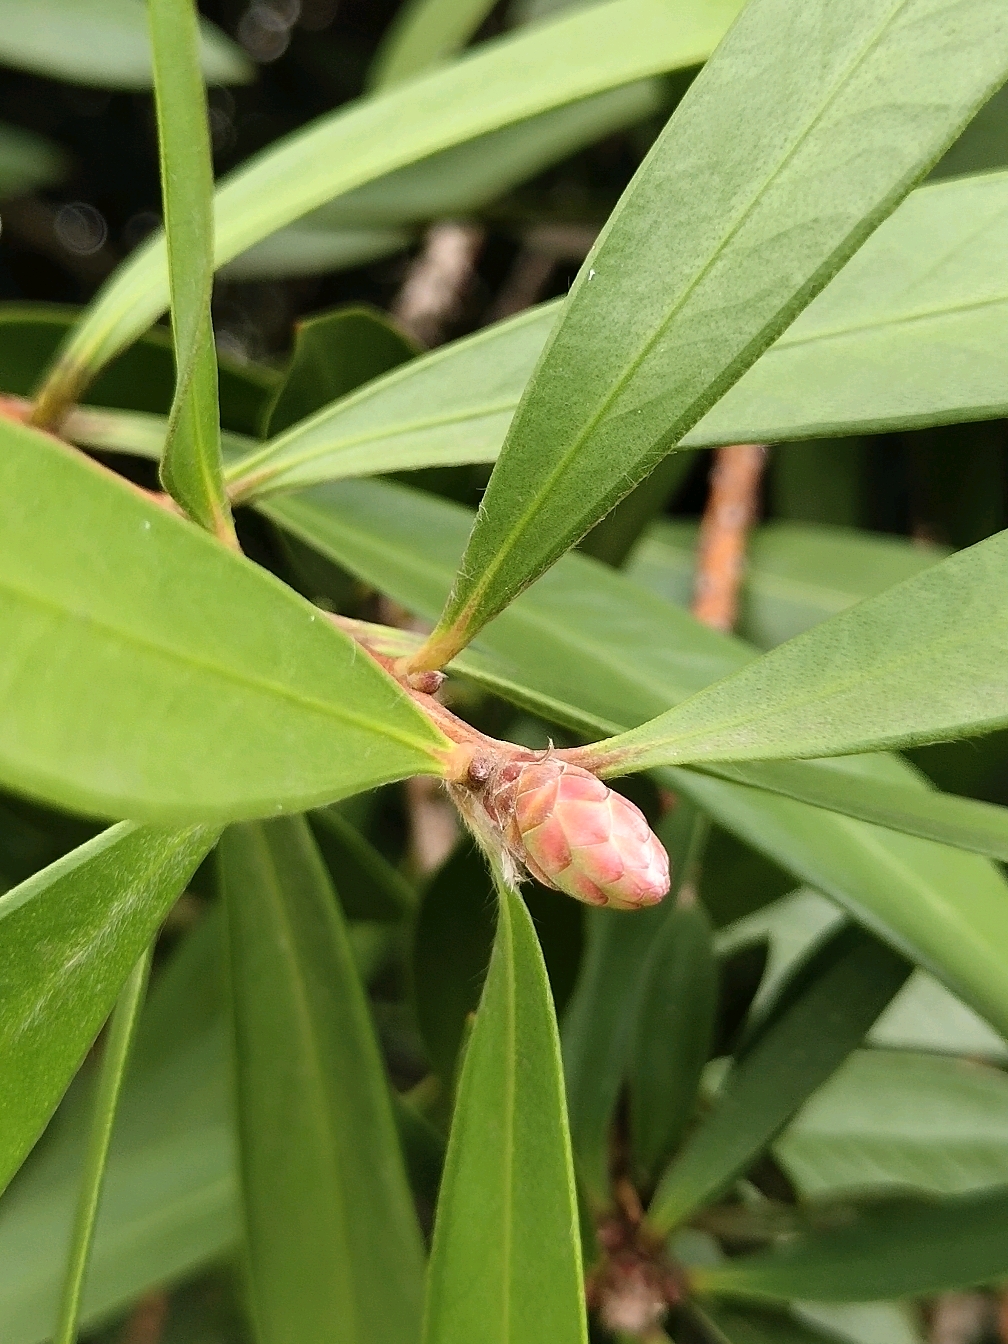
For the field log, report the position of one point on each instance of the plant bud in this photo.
(573, 833)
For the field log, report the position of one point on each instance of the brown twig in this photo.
(732, 507)
(433, 294)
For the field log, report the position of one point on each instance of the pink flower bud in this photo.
(571, 831)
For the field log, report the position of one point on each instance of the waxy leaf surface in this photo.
(149, 671)
(751, 215)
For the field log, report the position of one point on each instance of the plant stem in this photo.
(730, 513)
(113, 1066)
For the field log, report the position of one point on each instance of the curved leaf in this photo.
(506, 1261)
(333, 1241)
(672, 1038)
(212, 691)
(170, 1198)
(859, 106)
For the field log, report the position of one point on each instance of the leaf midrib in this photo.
(260, 684)
(525, 520)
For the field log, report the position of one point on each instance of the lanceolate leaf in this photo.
(505, 81)
(506, 1261)
(816, 1026)
(597, 1031)
(924, 661)
(68, 939)
(589, 649)
(191, 465)
(149, 671)
(900, 1247)
(334, 1245)
(861, 105)
(115, 1054)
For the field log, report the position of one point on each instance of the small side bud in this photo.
(428, 683)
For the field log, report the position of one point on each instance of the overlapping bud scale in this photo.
(571, 831)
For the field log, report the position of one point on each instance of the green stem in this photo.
(113, 1066)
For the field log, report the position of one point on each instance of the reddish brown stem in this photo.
(732, 506)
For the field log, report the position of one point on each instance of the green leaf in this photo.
(797, 574)
(113, 1066)
(423, 33)
(504, 81)
(334, 1246)
(191, 467)
(451, 405)
(263, 704)
(105, 43)
(900, 1119)
(451, 950)
(68, 938)
(820, 1019)
(923, 661)
(900, 1247)
(27, 161)
(170, 1198)
(907, 334)
(368, 221)
(861, 108)
(506, 1260)
(672, 1038)
(588, 649)
(333, 354)
(981, 828)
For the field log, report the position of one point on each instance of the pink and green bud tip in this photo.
(565, 827)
